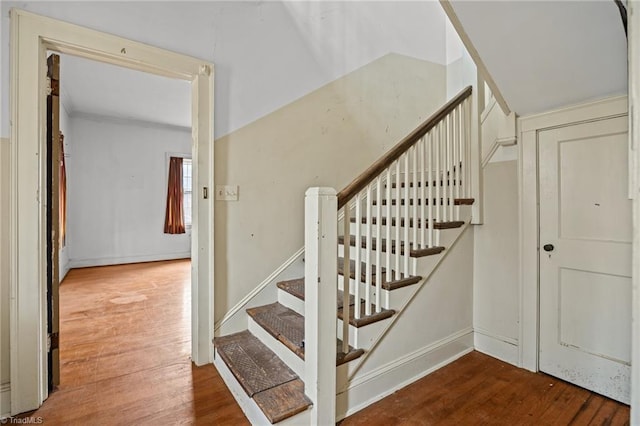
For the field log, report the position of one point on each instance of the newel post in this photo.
(320, 305)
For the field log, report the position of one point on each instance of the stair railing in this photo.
(411, 190)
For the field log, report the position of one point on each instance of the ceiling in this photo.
(548, 54)
(95, 88)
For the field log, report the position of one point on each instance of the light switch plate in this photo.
(227, 192)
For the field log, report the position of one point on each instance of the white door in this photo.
(585, 256)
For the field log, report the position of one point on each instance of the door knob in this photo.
(548, 247)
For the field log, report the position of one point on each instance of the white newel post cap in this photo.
(320, 191)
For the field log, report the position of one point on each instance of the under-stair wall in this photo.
(434, 329)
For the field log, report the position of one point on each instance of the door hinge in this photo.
(48, 86)
(205, 192)
(53, 341)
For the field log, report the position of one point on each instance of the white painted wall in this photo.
(267, 54)
(4, 265)
(496, 295)
(323, 139)
(117, 185)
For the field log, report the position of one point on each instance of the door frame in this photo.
(31, 36)
(528, 166)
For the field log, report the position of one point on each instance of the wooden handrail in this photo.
(407, 142)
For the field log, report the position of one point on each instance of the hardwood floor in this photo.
(125, 341)
(480, 390)
(125, 344)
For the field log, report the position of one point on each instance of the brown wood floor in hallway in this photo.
(125, 345)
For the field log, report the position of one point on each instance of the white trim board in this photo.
(528, 211)
(500, 347)
(5, 400)
(371, 387)
(31, 37)
(245, 302)
(105, 261)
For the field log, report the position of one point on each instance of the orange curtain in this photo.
(62, 194)
(174, 216)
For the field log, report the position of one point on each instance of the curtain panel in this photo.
(174, 215)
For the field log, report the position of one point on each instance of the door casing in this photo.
(31, 37)
(528, 176)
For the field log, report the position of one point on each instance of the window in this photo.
(187, 174)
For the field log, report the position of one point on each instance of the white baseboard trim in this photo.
(105, 261)
(500, 347)
(372, 386)
(269, 280)
(5, 400)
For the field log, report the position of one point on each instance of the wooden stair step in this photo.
(283, 401)
(456, 202)
(366, 319)
(255, 366)
(427, 251)
(401, 281)
(295, 287)
(275, 388)
(287, 326)
(418, 222)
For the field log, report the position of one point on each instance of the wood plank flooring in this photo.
(125, 344)
(480, 390)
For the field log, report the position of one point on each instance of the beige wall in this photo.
(496, 284)
(325, 138)
(4, 262)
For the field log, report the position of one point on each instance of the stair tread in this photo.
(283, 401)
(253, 364)
(456, 202)
(387, 285)
(295, 287)
(436, 225)
(287, 326)
(366, 319)
(426, 251)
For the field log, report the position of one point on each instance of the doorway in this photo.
(121, 127)
(32, 36)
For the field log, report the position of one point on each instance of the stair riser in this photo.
(249, 407)
(291, 301)
(384, 295)
(363, 337)
(284, 353)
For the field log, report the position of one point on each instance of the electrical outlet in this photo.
(227, 192)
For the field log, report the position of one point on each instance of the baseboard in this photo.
(500, 347)
(105, 261)
(371, 387)
(64, 271)
(5, 400)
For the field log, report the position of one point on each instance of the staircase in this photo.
(397, 221)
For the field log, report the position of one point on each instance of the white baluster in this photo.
(368, 268)
(397, 218)
(378, 243)
(407, 219)
(388, 225)
(438, 174)
(347, 274)
(430, 221)
(358, 257)
(422, 220)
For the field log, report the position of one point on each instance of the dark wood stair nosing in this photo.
(436, 225)
(366, 319)
(427, 251)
